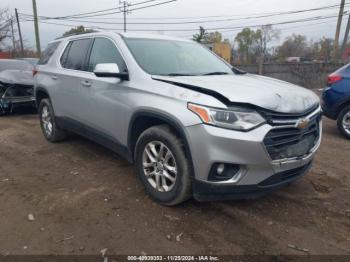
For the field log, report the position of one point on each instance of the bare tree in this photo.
(5, 27)
(265, 35)
(295, 45)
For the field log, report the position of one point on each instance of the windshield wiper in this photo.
(215, 73)
(179, 74)
(238, 71)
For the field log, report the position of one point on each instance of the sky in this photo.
(237, 13)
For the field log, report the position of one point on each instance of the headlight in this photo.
(234, 118)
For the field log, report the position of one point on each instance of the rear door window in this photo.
(77, 54)
(49, 51)
(105, 51)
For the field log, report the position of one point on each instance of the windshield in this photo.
(165, 57)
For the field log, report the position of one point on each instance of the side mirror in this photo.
(110, 70)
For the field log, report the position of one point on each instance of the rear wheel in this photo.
(344, 122)
(162, 166)
(48, 123)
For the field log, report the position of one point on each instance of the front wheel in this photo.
(162, 166)
(344, 122)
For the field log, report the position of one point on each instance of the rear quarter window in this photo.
(76, 54)
(49, 51)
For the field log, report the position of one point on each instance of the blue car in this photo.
(336, 99)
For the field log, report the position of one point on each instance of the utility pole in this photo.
(124, 3)
(36, 27)
(346, 37)
(124, 10)
(19, 32)
(337, 33)
(13, 36)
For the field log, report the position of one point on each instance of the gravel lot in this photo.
(83, 198)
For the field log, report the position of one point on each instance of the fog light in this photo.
(220, 169)
(224, 172)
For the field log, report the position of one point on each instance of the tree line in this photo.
(259, 46)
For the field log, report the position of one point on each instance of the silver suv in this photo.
(192, 124)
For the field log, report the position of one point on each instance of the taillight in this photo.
(34, 72)
(333, 79)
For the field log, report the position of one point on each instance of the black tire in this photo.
(181, 190)
(341, 116)
(57, 134)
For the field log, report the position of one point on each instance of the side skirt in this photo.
(95, 136)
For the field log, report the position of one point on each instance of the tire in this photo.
(55, 134)
(344, 114)
(171, 192)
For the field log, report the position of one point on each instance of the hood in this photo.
(265, 92)
(19, 77)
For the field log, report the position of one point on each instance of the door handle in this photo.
(86, 83)
(54, 77)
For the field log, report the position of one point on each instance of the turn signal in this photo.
(201, 112)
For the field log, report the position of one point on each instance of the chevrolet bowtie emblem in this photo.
(302, 123)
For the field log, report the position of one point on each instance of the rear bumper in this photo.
(204, 191)
(332, 100)
(328, 112)
(328, 105)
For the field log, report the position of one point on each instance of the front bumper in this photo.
(8, 104)
(209, 192)
(210, 145)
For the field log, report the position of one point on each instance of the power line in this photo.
(99, 11)
(212, 21)
(284, 28)
(133, 9)
(179, 23)
(228, 29)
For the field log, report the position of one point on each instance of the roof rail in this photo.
(80, 33)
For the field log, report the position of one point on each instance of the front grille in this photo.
(287, 141)
(274, 117)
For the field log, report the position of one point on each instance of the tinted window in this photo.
(105, 51)
(50, 49)
(64, 56)
(77, 54)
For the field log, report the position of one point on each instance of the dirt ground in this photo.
(84, 198)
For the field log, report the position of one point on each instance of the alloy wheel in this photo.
(159, 166)
(346, 122)
(46, 120)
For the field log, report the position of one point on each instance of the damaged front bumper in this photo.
(7, 105)
(259, 169)
(15, 95)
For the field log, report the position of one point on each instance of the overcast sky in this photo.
(189, 9)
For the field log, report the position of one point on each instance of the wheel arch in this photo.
(144, 119)
(40, 93)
